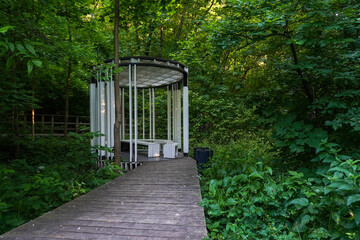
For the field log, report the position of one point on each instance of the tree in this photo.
(117, 142)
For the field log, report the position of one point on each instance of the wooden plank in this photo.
(158, 200)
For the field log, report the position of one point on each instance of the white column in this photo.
(136, 114)
(123, 113)
(150, 113)
(108, 112)
(98, 109)
(92, 109)
(173, 111)
(153, 122)
(178, 117)
(186, 119)
(130, 115)
(112, 117)
(102, 115)
(169, 112)
(143, 112)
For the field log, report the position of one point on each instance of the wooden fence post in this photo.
(77, 124)
(52, 125)
(42, 123)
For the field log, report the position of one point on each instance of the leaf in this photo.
(305, 219)
(299, 201)
(3, 30)
(256, 175)
(269, 170)
(227, 180)
(11, 46)
(9, 62)
(29, 67)
(212, 188)
(30, 48)
(231, 201)
(20, 47)
(346, 187)
(353, 198)
(357, 216)
(340, 169)
(37, 63)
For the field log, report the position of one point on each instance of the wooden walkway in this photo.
(158, 200)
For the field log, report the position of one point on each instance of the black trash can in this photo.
(198, 149)
(202, 155)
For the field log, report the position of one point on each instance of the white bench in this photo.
(153, 148)
(170, 150)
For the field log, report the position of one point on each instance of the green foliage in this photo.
(219, 119)
(49, 172)
(244, 198)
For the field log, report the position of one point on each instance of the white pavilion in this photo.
(140, 79)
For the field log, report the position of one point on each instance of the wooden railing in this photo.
(46, 124)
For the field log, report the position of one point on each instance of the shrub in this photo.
(51, 172)
(244, 198)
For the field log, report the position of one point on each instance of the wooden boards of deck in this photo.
(158, 200)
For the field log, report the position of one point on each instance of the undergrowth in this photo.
(247, 196)
(47, 173)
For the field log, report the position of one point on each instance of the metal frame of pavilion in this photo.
(145, 74)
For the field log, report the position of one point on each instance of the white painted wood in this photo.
(97, 126)
(178, 117)
(170, 150)
(186, 119)
(143, 112)
(112, 108)
(153, 108)
(123, 113)
(173, 111)
(168, 113)
(108, 112)
(130, 115)
(154, 150)
(135, 115)
(92, 110)
(102, 116)
(153, 147)
(150, 113)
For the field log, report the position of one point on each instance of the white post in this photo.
(130, 115)
(112, 120)
(143, 112)
(153, 102)
(108, 112)
(135, 109)
(123, 113)
(169, 112)
(102, 115)
(98, 109)
(150, 118)
(92, 109)
(186, 119)
(178, 117)
(173, 111)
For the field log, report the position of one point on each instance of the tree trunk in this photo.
(307, 89)
(33, 110)
(67, 94)
(181, 24)
(117, 142)
(161, 38)
(66, 124)
(148, 43)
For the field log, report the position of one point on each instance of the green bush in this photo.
(51, 172)
(244, 198)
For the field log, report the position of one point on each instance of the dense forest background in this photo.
(274, 90)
